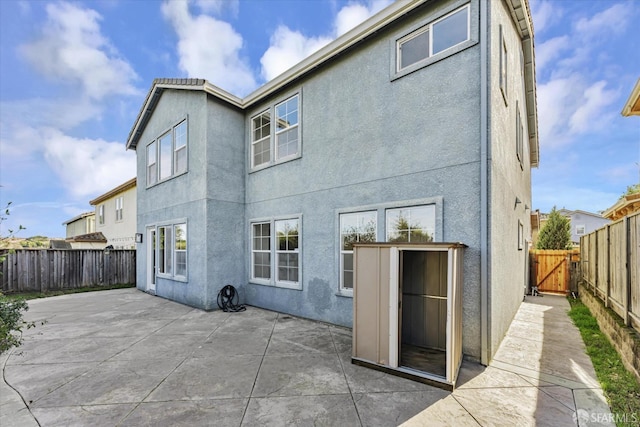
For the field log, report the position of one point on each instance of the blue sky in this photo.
(73, 76)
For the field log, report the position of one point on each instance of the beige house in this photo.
(632, 106)
(627, 205)
(115, 215)
(84, 223)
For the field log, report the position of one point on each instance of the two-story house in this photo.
(583, 222)
(115, 215)
(419, 124)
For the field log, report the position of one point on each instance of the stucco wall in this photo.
(508, 180)
(370, 141)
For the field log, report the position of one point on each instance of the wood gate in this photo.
(551, 269)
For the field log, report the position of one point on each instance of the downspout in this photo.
(484, 196)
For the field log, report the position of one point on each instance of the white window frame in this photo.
(119, 208)
(101, 214)
(154, 155)
(386, 220)
(262, 251)
(504, 69)
(258, 141)
(344, 289)
(274, 133)
(275, 252)
(581, 230)
(429, 28)
(166, 258)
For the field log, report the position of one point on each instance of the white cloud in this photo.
(288, 47)
(72, 49)
(62, 113)
(87, 167)
(612, 20)
(550, 50)
(590, 113)
(543, 13)
(209, 48)
(216, 7)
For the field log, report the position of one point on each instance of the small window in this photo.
(287, 128)
(580, 230)
(101, 214)
(412, 224)
(180, 148)
(520, 236)
(358, 227)
(261, 251)
(152, 168)
(519, 137)
(287, 256)
(503, 66)
(260, 139)
(119, 206)
(434, 38)
(180, 249)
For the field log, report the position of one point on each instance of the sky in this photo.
(73, 76)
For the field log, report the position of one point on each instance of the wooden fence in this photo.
(610, 259)
(40, 270)
(551, 270)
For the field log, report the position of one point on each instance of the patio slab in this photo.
(126, 358)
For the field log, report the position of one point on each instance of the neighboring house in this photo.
(115, 213)
(84, 223)
(419, 124)
(625, 206)
(583, 222)
(632, 106)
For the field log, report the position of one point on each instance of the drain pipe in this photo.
(484, 188)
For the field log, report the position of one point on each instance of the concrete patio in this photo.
(126, 358)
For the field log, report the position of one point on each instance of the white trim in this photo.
(394, 309)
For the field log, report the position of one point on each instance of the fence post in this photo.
(627, 272)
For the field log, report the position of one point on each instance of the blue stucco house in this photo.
(420, 124)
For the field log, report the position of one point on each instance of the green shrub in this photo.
(11, 322)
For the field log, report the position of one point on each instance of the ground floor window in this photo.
(357, 227)
(275, 252)
(172, 250)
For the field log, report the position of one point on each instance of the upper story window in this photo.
(580, 230)
(519, 136)
(101, 214)
(119, 206)
(279, 139)
(433, 38)
(167, 156)
(503, 66)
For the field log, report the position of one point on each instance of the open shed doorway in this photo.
(423, 311)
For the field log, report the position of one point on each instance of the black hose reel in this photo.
(228, 300)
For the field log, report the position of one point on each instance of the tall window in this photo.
(119, 205)
(167, 156)
(101, 214)
(284, 252)
(433, 38)
(180, 249)
(287, 128)
(180, 148)
(152, 164)
(359, 227)
(261, 251)
(287, 257)
(278, 139)
(519, 136)
(503, 65)
(412, 224)
(164, 248)
(261, 141)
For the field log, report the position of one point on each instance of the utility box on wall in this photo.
(407, 308)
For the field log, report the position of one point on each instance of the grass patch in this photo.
(35, 295)
(619, 385)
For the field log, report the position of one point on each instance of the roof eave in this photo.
(109, 194)
(631, 107)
